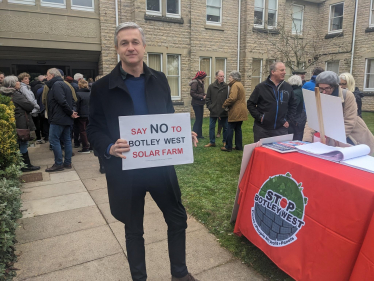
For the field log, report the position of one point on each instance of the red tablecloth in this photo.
(333, 232)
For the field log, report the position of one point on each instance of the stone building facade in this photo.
(184, 36)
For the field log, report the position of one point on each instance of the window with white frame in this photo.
(173, 8)
(154, 7)
(297, 19)
(25, 2)
(272, 13)
(369, 75)
(256, 72)
(206, 66)
(214, 12)
(53, 3)
(261, 8)
(333, 66)
(220, 65)
(155, 61)
(259, 13)
(83, 5)
(336, 17)
(371, 22)
(173, 75)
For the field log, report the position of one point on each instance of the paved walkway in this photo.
(68, 233)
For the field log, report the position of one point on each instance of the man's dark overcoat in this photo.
(110, 98)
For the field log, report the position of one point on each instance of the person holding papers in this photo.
(355, 128)
(132, 88)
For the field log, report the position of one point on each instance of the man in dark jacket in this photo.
(216, 95)
(60, 116)
(310, 85)
(37, 84)
(132, 88)
(272, 104)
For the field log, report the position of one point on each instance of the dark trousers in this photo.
(175, 218)
(36, 121)
(82, 124)
(261, 133)
(198, 125)
(237, 128)
(76, 131)
(222, 121)
(297, 131)
(44, 126)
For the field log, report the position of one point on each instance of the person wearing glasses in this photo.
(348, 82)
(355, 128)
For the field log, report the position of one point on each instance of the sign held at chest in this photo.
(156, 140)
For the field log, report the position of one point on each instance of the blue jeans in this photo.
(23, 145)
(55, 133)
(212, 128)
(237, 127)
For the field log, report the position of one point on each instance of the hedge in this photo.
(10, 193)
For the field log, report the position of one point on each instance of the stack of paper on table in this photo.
(354, 156)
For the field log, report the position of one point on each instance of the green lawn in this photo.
(208, 191)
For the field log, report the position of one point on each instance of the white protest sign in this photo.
(156, 140)
(332, 114)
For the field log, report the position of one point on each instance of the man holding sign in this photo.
(132, 88)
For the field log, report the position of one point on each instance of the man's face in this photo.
(279, 72)
(130, 46)
(1, 78)
(49, 76)
(302, 76)
(220, 77)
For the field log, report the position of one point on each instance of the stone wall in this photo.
(192, 38)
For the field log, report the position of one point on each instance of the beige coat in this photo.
(355, 127)
(236, 103)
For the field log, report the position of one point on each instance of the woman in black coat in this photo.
(198, 101)
(297, 126)
(83, 96)
(23, 108)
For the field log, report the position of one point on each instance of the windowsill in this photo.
(335, 34)
(368, 93)
(178, 102)
(264, 30)
(214, 27)
(80, 8)
(369, 29)
(164, 19)
(21, 2)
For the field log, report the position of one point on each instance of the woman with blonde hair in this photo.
(348, 82)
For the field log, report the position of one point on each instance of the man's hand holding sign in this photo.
(154, 141)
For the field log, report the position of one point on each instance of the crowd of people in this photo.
(277, 106)
(56, 108)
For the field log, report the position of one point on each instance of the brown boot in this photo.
(188, 277)
(210, 145)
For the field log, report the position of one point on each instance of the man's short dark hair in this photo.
(317, 70)
(1, 72)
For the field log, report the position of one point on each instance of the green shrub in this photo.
(10, 193)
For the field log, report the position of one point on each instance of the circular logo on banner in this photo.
(278, 212)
